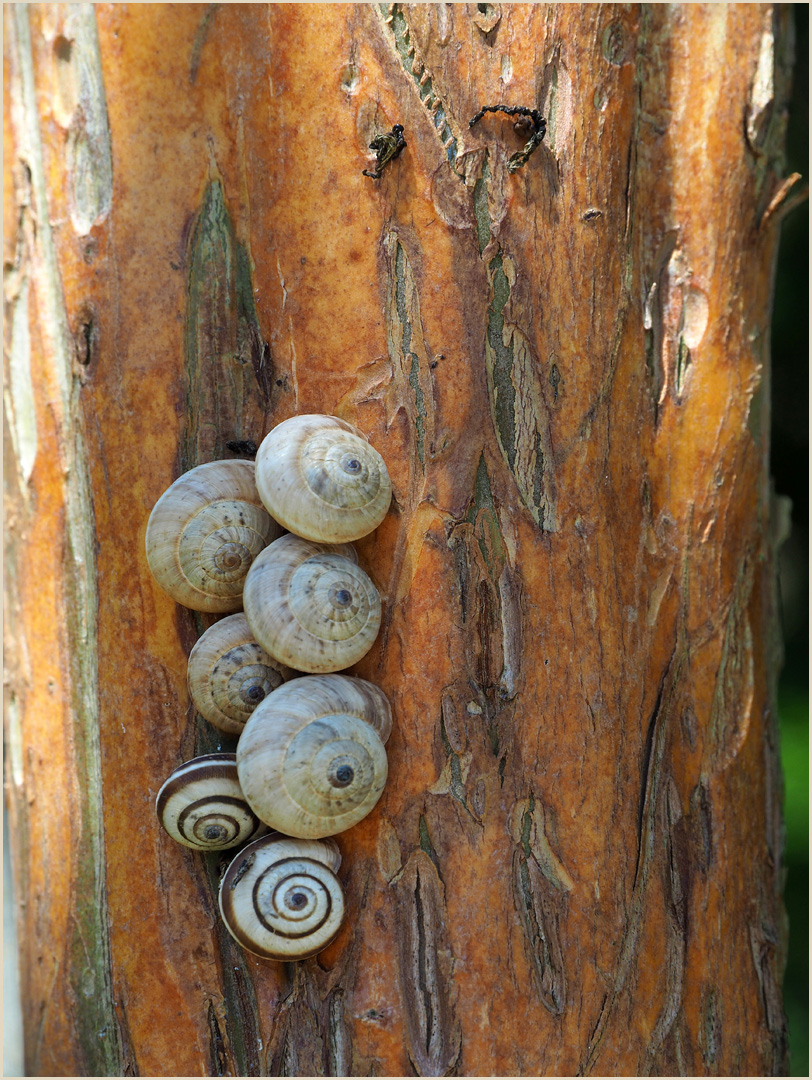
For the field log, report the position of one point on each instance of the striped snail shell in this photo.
(280, 898)
(311, 759)
(201, 805)
(230, 674)
(205, 531)
(310, 605)
(320, 478)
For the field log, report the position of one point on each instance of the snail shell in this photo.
(311, 759)
(205, 531)
(201, 805)
(321, 479)
(230, 674)
(310, 605)
(280, 898)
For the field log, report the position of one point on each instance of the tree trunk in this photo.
(576, 864)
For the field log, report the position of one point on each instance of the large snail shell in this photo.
(230, 674)
(311, 759)
(320, 478)
(205, 531)
(310, 605)
(201, 805)
(281, 899)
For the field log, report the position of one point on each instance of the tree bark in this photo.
(575, 867)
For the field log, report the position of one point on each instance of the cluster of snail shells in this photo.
(310, 758)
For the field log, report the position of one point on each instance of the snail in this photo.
(202, 806)
(311, 760)
(280, 898)
(310, 605)
(321, 479)
(205, 531)
(230, 674)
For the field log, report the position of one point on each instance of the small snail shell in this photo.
(202, 806)
(230, 674)
(311, 759)
(310, 605)
(320, 478)
(204, 532)
(280, 898)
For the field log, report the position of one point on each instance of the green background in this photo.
(790, 469)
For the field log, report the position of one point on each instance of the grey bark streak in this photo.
(96, 1035)
(426, 969)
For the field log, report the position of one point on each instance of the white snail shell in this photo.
(280, 898)
(311, 759)
(205, 531)
(310, 605)
(230, 674)
(320, 478)
(201, 805)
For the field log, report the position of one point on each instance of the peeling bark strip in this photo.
(449, 132)
(765, 943)
(675, 319)
(409, 355)
(426, 966)
(650, 793)
(534, 901)
(733, 693)
(519, 412)
(676, 888)
(87, 948)
(90, 156)
(527, 827)
(490, 603)
(229, 371)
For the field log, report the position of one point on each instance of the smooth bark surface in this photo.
(576, 864)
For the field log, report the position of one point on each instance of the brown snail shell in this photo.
(311, 759)
(310, 605)
(201, 805)
(230, 673)
(280, 898)
(205, 531)
(320, 478)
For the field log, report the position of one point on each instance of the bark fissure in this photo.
(228, 367)
(426, 965)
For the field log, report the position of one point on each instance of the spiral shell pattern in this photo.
(311, 606)
(280, 898)
(319, 477)
(311, 759)
(230, 674)
(204, 533)
(201, 805)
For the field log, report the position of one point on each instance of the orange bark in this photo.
(575, 865)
